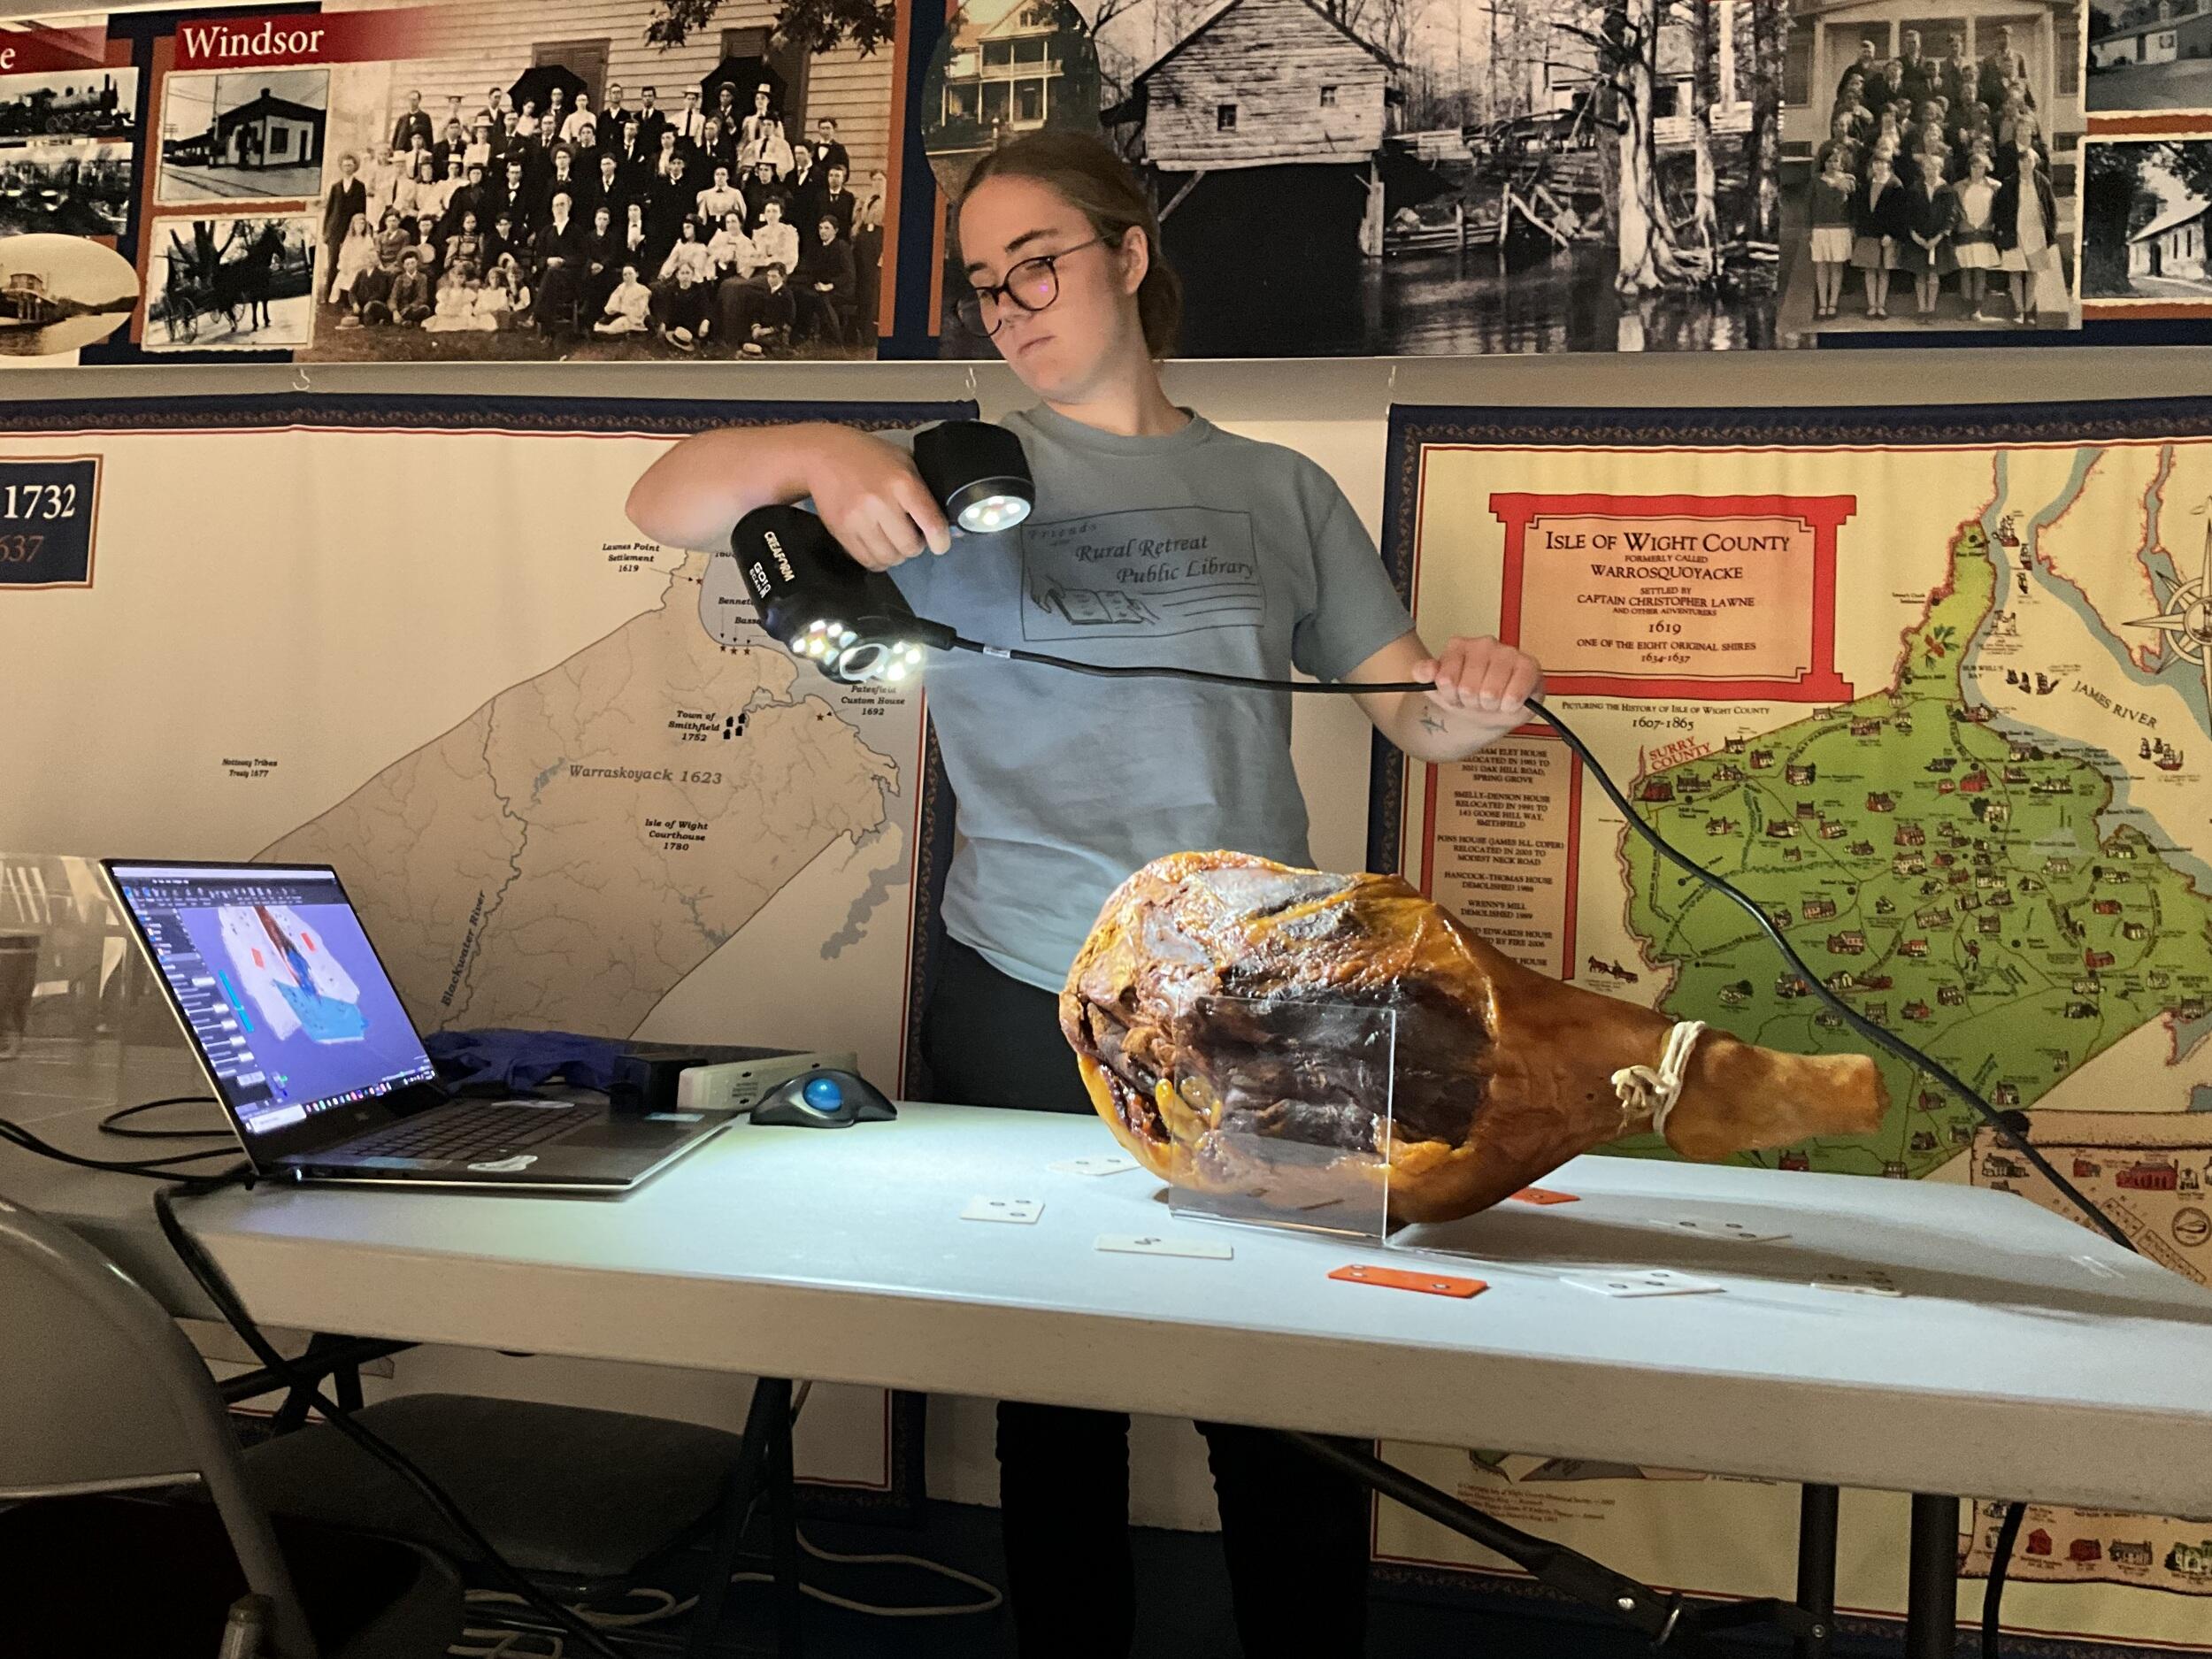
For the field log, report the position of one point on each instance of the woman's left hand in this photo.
(1483, 681)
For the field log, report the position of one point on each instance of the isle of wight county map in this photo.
(1940, 706)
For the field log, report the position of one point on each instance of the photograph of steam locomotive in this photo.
(76, 104)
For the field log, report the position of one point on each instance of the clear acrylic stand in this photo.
(82, 1019)
(1293, 1112)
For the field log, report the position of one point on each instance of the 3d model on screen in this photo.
(1215, 1013)
(285, 967)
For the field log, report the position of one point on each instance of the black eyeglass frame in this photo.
(1001, 293)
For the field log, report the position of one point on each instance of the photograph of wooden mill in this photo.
(1382, 177)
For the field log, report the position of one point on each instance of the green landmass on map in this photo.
(1950, 881)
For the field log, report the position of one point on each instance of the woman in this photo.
(719, 200)
(464, 252)
(356, 257)
(731, 250)
(1055, 807)
(1878, 217)
(684, 290)
(1833, 238)
(505, 296)
(1930, 208)
(2024, 217)
(1973, 228)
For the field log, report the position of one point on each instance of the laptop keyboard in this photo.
(466, 1132)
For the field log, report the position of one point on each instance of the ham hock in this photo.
(1184, 1008)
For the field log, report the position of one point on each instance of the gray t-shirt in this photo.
(1199, 549)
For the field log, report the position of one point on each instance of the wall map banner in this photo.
(553, 762)
(1934, 689)
(375, 181)
(567, 779)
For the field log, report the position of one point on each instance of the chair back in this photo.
(100, 1392)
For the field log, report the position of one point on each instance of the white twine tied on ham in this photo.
(1655, 1089)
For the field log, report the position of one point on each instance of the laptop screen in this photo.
(278, 985)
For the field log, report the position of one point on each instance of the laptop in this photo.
(324, 1076)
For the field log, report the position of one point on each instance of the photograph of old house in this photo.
(1379, 177)
(2150, 55)
(2146, 210)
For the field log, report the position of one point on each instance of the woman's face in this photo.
(1061, 351)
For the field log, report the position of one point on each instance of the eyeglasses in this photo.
(1032, 285)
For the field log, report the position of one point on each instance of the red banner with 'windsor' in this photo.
(344, 37)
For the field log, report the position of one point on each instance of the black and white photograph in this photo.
(1942, 186)
(1003, 68)
(714, 191)
(250, 136)
(72, 103)
(2145, 208)
(73, 190)
(229, 284)
(2150, 55)
(58, 293)
(1386, 177)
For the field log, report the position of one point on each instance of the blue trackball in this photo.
(823, 1094)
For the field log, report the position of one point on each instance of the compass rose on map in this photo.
(2187, 620)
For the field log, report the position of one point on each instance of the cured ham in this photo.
(1199, 1007)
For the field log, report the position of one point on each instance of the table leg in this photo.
(783, 1521)
(771, 1399)
(1932, 1593)
(1816, 1570)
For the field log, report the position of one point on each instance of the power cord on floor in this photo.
(500, 1643)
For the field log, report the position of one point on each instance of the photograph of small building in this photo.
(2147, 209)
(2150, 55)
(258, 136)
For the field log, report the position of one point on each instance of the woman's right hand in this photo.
(872, 500)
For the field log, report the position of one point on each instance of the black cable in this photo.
(108, 1123)
(1336, 687)
(152, 1169)
(218, 1289)
(1993, 1598)
(1895, 1047)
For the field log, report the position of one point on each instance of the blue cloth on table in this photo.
(522, 1060)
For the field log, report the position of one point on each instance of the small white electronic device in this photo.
(738, 1085)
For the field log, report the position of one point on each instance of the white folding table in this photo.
(2037, 1361)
